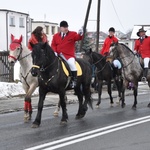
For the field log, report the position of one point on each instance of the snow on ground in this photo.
(13, 89)
(8, 90)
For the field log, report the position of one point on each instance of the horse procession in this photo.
(42, 68)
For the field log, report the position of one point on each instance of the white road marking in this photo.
(90, 134)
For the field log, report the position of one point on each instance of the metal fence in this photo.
(6, 70)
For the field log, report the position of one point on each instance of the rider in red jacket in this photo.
(63, 44)
(108, 41)
(142, 46)
(37, 35)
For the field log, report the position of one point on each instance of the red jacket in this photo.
(66, 46)
(33, 40)
(108, 41)
(143, 48)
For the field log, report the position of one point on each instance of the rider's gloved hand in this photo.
(80, 31)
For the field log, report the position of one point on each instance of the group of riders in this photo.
(63, 44)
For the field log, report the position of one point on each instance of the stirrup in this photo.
(143, 79)
(73, 84)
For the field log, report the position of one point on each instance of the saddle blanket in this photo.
(79, 70)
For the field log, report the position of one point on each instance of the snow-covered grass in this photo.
(12, 89)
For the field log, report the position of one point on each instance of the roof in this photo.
(137, 27)
(45, 22)
(7, 10)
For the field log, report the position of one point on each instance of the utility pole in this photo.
(98, 25)
(85, 23)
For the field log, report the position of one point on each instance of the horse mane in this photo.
(126, 47)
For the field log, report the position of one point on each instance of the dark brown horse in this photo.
(104, 72)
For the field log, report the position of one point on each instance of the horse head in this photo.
(113, 51)
(15, 49)
(88, 56)
(42, 56)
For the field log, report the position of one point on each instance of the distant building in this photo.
(16, 23)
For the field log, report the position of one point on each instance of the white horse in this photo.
(19, 52)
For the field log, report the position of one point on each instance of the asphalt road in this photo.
(100, 129)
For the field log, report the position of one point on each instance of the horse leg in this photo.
(27, 102)
(100, 85)
(37, 120)
(149, 87)
(119, 84)
(63, 106)
(80, 113)
(135, 95)
(56, 112)
(88, 99)
(27, 110)
(123, 97)
(110, 92)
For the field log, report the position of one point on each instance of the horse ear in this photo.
(20, 40)
(12, 37)
(89, 51)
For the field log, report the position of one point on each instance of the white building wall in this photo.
(16, 30)
(6, 29)
(3, 36)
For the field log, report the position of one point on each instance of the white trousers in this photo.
(146, 62)
(71, 62)
(117, 64)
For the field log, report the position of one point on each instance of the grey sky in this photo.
(129, 12)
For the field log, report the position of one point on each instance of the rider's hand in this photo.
(80, 31)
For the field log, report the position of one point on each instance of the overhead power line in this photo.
(117, 15)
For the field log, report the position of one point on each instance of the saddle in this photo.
(67, 70)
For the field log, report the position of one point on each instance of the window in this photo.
(12, 21)
(53, 29)
(47, 29)
(21, 22)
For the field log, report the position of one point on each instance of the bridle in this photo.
(43, 69)
(20, 53)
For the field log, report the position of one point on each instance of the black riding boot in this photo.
(74, 79)
(144, 75)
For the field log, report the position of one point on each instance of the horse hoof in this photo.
(111, 105)
(27, 118)
(97, 106)
(34, 126)
(55, 114)
(79, 116)
(148, 105)
(134, 107)
(123, 105)
(63, 123)
(118, 102)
